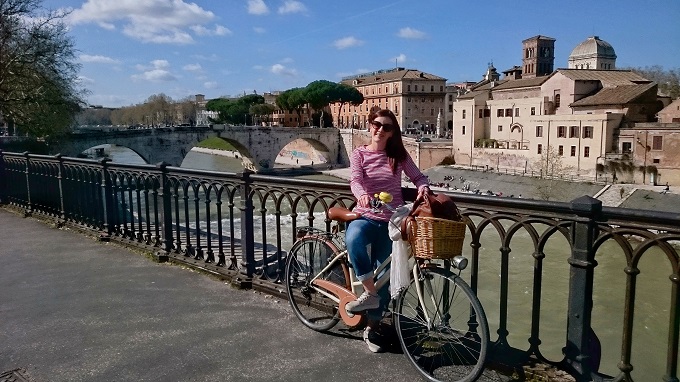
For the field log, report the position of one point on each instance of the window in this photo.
(533, 111)
(499, 113)
(481, 113)
(573, 151)
(508, 112)
(656, 161)
(500, 127)
(450, 108)
(626, 147)
(464, 113)
(657, 142)
(463, 130)
(539, 131)
(516, 112)
(557, 101)
(587, 131)
(561, 131)
(432, 88)
(540, 149)
(573, 131)
(487, 112)
(560, 150)
(586, 152)
(408, 88)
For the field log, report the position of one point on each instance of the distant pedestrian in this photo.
(666, 189)
(622, 191)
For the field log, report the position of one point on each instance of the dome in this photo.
(593, 47)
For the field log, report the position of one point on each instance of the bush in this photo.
(448, 160)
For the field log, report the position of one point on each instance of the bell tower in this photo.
(538, 56)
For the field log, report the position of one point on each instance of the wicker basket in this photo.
(433, 238)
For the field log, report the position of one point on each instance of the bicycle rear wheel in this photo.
(445, 334)
(305, 261)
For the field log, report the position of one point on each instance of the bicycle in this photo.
(440, 322)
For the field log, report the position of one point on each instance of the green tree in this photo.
(346, 94)
(262, 111)
(38, 69)
(292, 100)
(319, 95)
(234, 111)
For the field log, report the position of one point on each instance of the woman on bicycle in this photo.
(376, 167)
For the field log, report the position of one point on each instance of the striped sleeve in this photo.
(413, 173)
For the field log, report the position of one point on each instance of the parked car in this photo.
(423, 139)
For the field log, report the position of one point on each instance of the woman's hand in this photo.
(365, 201)
(424, 191)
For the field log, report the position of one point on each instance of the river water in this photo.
(653, 297)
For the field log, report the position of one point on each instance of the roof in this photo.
(619, 95)
(608, 78)
(539, 37)
(522, 83)
(389, 76)
(592, 47)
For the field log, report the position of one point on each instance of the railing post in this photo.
(166, 212)
(581, 351)
(247, 229)
(60, 178)
(3, 180)
(107, 199)
(29, 205)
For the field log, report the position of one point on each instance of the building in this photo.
(593, 53)
(415, 97)
(513, 122)
(203, 115)
(286, 117)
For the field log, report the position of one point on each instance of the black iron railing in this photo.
(574, 273)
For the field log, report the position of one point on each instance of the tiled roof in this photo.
(619, 95)
(608, 78)
(471, 94)
(389, 76)
(522, 83)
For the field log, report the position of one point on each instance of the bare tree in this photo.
(38, 69)
(551, 169)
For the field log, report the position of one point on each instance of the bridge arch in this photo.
(259, 146)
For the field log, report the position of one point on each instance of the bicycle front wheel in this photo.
(308, 257)
(442, 327)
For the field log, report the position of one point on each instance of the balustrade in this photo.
(240, 225)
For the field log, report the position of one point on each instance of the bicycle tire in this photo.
(453, 347)
(306, 259)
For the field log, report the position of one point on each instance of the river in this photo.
(653, 298)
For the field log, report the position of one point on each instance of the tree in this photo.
(233, 111)
(262, 110)
(292, 100)
(668, 80)
(319, 94)
(38, 69)
(551, 169)
(346, 94)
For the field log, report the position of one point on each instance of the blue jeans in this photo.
(359, 234)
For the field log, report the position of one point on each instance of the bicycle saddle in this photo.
(342, 214)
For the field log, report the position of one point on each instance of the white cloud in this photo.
(347, 42)
(257, 7)
(259, 30)
(219, 30)
(211, 85)
(157, 21)
(97, 59)
(399, 58)
(192, 67)
(156, 72)
(411, 33)
(292, 6)
(279, 69)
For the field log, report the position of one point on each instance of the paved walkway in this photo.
(74, 309)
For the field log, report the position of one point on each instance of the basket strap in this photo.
(406, 227)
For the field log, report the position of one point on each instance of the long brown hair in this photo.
(395, 150)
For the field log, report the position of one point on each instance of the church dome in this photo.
(593, 47)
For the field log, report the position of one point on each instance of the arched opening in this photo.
(307, 153)
(117, 154)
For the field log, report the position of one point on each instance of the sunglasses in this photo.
(387, 127)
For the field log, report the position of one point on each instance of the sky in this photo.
(130, 50)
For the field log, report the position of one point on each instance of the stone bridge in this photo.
(259, 146)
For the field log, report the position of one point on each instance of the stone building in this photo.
(512, 122)
(415, 97)
(593, 53)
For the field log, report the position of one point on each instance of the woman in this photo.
(376, 167)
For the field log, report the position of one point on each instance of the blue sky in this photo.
(132, 49)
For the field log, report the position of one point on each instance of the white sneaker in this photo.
(373, 340)
(365, 302)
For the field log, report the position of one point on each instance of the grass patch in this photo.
(216, 143)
